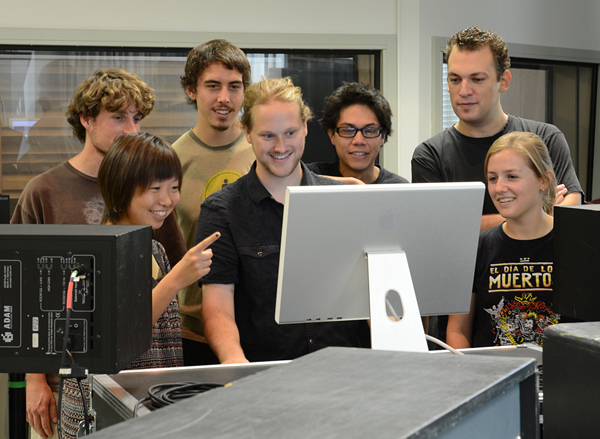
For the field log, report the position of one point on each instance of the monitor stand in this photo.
(389, 274)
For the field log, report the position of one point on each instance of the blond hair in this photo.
(274, 89)
(536, 156)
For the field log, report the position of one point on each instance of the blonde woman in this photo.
(512, 292)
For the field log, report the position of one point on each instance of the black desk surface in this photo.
(339, 392)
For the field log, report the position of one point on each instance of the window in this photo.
(36, 86)
(561, 93)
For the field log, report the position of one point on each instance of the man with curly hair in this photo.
(105, 106)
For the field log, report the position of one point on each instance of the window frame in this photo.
(386, 44)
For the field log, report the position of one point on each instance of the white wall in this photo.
(408, 24)
(270, 16)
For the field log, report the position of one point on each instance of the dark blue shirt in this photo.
(247, 255)
(333, 169)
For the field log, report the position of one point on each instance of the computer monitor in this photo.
(344, 248)
(576, 262)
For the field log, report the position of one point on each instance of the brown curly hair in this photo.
(111, 90)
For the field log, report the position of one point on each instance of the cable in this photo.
(442, 344)
(71, 370)
(391, 309)
(58, 420)
(162, 395)
(68, 321)
(85, 408)
(70, 357)
(63, 361)
(427, 336)
(82, 271)
(139, 404)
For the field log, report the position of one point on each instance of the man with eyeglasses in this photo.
(358, 120)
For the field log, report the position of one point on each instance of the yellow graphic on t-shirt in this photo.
(219, 181)
(512, 276)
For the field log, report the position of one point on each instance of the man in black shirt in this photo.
(239, 292)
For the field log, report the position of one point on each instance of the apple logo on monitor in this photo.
(386, 221)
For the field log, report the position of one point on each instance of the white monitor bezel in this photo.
(327, 231)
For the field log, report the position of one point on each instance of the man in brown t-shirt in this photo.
(105, 106)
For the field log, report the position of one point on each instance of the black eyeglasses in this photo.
(368, 132)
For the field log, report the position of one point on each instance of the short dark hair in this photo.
(354, 93)
(108, 89)
(131, 165)
(473, 39)
(206, 54)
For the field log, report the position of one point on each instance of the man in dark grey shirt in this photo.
(478, 73)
